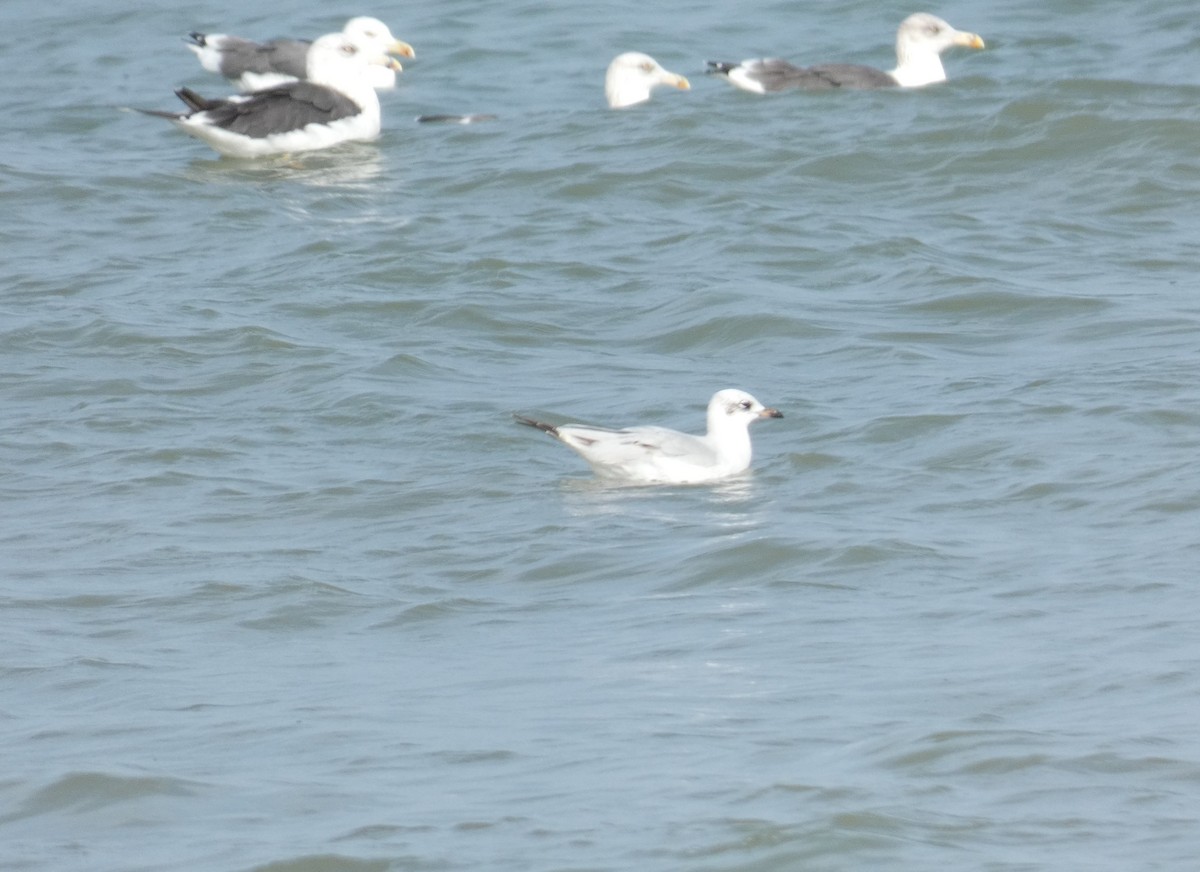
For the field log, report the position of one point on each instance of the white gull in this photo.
(656, 455)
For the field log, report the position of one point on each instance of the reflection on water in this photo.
(350, 165)
(734, 502)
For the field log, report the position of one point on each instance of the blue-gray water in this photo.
(283, 587)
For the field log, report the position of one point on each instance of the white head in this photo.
(632, 76)
(734, 409)
(919, 43)
(730, 414)
(339, 62)
(371, 33)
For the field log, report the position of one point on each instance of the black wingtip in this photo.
(198, 38)
(537, 425)
(157, 113)
(193, 100)
(721, 68)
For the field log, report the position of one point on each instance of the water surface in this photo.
(284, 587)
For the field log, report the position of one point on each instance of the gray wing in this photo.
(287, 56)
(852, 76)
(775, 74)
(275, 110)
(614, 446)
(240, 56)
(671, 443)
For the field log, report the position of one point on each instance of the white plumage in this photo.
(657, 455)
(633, 75)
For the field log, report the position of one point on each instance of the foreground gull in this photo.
(632, 76)
(919, 43)
(658, 455)
(335, 103)
(252, 66)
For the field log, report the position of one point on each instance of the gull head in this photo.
(919, 43)
(633, 75)
(924, 32)
(374, 34)
(734, 408)
(340, 62)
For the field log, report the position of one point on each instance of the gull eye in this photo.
(647, 68)
(746, 404)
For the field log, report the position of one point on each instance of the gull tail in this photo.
(194, 102)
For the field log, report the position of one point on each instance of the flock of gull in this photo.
(297, 95)
(300, 95)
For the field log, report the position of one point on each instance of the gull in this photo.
(252, 66)
(633, 75)
(920, 42)
(656, 455)
(335, 103)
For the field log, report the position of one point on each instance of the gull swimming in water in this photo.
(633, 75)
(252, 66)
(656, 455)
(920, 42)
(335, 103)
